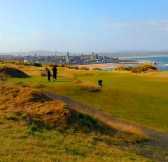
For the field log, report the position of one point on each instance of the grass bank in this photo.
(35, 128)
(140, 98)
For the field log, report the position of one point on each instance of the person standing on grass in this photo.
(54, 69)
(48, 73)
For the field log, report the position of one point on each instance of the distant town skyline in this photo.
(83, 25)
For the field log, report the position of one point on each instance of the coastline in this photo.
(144, 56)
(113, 65)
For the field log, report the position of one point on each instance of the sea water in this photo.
(161, 62)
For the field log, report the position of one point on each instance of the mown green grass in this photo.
(131, 97)
(140, 98)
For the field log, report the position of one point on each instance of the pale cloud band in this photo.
(152, 26)
(32, 37)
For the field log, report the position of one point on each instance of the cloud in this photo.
(155, 26)
(155, 23)
(151, 26)
(36, 37)
(28, 37)
(164, 30)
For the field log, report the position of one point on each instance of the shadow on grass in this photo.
(87, 124)
(77, 122)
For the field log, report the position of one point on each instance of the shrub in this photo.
(96, 69)
(72, 67)
(37, 64)
(60, 65)
(124, 68)
(143, 68)
(52, 65)
(76, 68)
(10, 61)
(1, 62)
(28, 63)
(89, 87)
(84, 68)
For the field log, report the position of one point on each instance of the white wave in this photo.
(165, 64)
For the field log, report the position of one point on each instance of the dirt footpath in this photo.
(156, 149)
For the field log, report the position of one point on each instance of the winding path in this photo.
(158, 145)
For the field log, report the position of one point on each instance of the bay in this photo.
(161, 62)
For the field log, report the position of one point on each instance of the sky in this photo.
(83, 25)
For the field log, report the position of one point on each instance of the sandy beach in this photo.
(106, 65)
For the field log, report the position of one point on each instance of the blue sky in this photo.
(83, 25)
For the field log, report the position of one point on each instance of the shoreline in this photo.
(108, 65)
(143, 56)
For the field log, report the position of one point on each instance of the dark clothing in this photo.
(54, 69)
(100, 83)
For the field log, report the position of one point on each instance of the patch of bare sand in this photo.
(92, 66)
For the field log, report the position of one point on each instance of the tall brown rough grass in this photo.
(25, 103)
